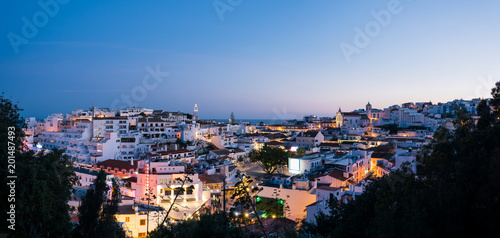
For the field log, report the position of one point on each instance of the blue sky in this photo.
(264, 59)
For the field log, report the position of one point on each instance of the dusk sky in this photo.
(263, 59)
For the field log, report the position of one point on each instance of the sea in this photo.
(252, 121)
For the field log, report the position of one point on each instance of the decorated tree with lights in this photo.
(246, 197)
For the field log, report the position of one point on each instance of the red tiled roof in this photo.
(75, 219)
(274, 143)
(225, 157)
(215, 178)
(221, 152)
(131, 179)
(338, 174)
(117, 164)
(125, 209)
(328, 188)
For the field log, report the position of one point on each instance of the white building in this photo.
(307, 163)
(162, 177)
(138, 220)
(296, 194)
(86, 177)
(104, 125)
(309, 139)
(222, 141)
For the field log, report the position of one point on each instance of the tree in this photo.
(108, 226)
(325, 222)
(10, 141)
(301, 152)
(43, 184)
(495, 94)
(269, 158)
(392, 128)
(43, 189)
(246, 197)
(208, 225)
(455, 192)
(485, 116)
(162, 230)
(96, 211)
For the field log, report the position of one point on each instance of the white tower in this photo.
(195, 112)
(369, 111)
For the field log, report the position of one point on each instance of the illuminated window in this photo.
(127, 219)
(143, 222)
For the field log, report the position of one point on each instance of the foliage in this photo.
(301, 152)
(269, 158)
(454, 194)
(178, 191)
(272, 207)
(43, 189)
(485, 116)
(245, 197)
(392, 128)
(96, 211)
(417, 128)
(9, 117)
(495, 94)
(208, 225)
(43, 184)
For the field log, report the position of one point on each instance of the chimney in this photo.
(281, 185)
(294, 186)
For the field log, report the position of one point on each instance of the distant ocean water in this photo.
(252, 121)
